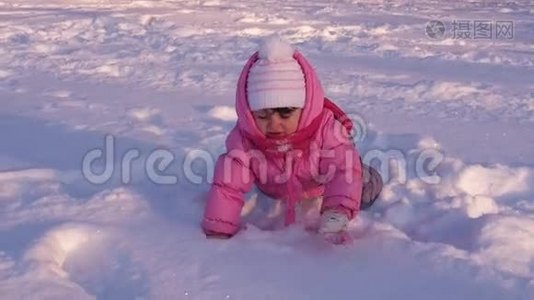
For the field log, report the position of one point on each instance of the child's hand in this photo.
(333, 227)
(333, 221)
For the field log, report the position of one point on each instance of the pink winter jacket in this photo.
(318, 160)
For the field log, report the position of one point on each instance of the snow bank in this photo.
(49, 253)
(495, 181)
(507, 243)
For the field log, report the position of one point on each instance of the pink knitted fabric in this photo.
(276, 79)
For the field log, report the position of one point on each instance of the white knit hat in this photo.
(275, 79)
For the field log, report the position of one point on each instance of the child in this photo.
(292, 143)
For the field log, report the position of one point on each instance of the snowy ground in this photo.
(161, 75)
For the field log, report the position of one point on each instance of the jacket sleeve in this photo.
(340, 162)
(232, 178)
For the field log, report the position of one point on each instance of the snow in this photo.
(224, 113)
(452, 118)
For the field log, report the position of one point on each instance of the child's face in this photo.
(275, 122)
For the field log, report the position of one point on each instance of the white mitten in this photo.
(333, 222)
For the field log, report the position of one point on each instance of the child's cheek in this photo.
(262, 125)
(291, 126)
